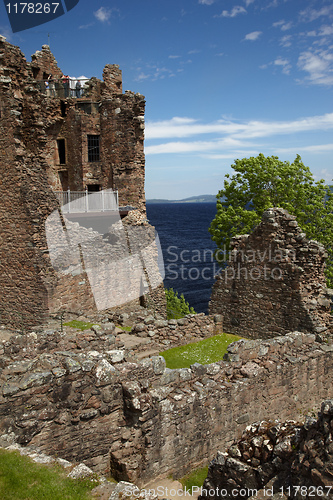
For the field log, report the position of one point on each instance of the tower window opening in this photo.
(61, 151)
(63, 108)
(93, 148)
(92, 188)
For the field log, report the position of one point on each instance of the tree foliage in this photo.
(177, 307)
(265, 182)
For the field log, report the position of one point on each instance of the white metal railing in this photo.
(59, 87)
(85, 201)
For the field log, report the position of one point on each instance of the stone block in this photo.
(80, 471)
(159, 364)
(35, 380)
(115, 356)
(105, 372)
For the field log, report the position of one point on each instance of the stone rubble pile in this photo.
(275, 459)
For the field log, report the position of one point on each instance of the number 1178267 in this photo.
(32, 8)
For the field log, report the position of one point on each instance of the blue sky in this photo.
(223, 79)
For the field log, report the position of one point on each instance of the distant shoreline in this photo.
(205, 198)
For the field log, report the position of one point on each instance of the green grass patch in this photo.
(23, 479)
(81, 325)
(195, 478)
(125, 328)
(204, 352)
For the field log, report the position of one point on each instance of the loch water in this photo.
(187, 248)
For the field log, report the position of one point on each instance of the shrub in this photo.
(177, 307)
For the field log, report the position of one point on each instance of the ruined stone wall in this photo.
(102, 110)
(108, 270)
(141, 419)
(119, 121)
(32, 122)
(122, 127)
(43, 64)
(26, 199)
(274, 282)
(284, 459)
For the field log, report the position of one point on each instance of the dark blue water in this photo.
(187, 248)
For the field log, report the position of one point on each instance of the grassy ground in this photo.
(81, 325)
(125, 328)
(195, 478)
(204, 352)
(23, 479)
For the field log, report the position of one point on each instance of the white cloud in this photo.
(286, 26)
(283, 25)
(248, 2)
(238, 9)
(154, 73)
(318, 65)
(206, 2)
(187, 127)
(326, 31)
(185, 147)
(253, 36)
(86, 26)
(318, 148)
(286, 41)
(281, 62)
(174, 57)
(6, 32)
(181, 127)
(309, 14)
(233, 154)
(142, 76)
(312, 33)
(286, 66)
(227, 134)
(103, 14)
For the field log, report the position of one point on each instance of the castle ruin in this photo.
(274, 282)
(59, 142)
(82, 395)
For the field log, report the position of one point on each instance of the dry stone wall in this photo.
(276, 459)
(80, 397)
(274, 282)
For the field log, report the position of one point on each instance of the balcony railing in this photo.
(63, 88)
(85, 201)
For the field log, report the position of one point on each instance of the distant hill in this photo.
(203, 198)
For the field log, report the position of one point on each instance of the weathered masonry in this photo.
(96, 139)
(273, 456)
(141, 419)
(54, 140)
(274, 282)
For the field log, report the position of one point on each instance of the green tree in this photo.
(264, 182)
(177, 307)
